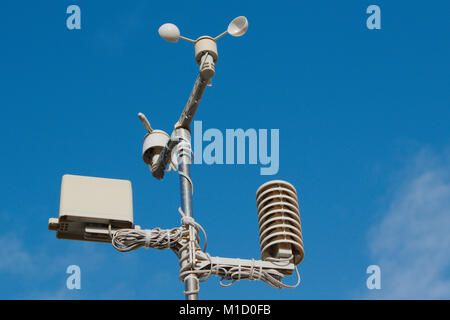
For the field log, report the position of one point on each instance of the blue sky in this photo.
(364, 137)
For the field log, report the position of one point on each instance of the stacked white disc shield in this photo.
(280, 232)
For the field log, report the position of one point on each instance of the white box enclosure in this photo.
(90, 206)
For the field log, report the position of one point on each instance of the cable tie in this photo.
(110, 231)
(186, 220)
(239, 270)
(252, 269)
(168, 238)
(147, 238)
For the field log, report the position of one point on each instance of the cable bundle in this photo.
(125, 240)
(271, 276)
(236, 273)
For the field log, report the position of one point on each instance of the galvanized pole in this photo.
(182, 135)
(187, 256)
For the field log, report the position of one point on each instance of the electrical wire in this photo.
(236, 273)
(125, 240)
(193, 265)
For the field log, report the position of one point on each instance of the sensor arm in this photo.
(230, 269)
(221, 35)
(184, 122)
(187, 39)
(206, 73)
(191, 106)
(284, 268)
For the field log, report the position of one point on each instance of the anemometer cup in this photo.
(238, 27)
(205, 44)
(154, 143)
(169, 32)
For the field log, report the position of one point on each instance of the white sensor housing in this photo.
(154, 143)
(90, 206)
(204, 45)
(280, 232)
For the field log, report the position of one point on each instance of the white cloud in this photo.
(412, 242)
(13, 256)
(41, 270)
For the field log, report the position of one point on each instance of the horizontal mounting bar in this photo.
(286, 269)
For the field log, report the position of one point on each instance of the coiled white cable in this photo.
(125, 240)
(232, 273)
(183, 148)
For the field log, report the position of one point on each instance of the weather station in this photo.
(101, 210)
